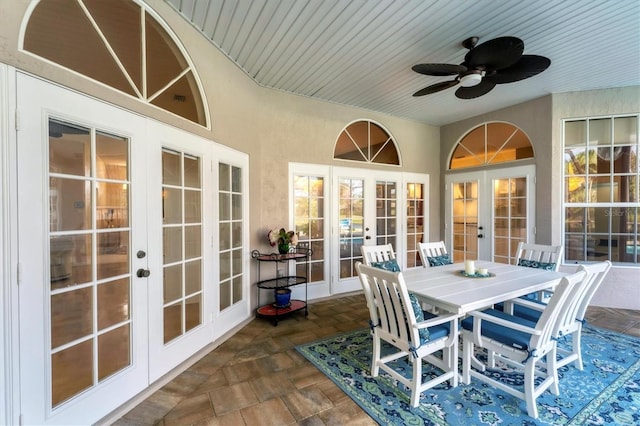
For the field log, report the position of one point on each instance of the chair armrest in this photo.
(529, 304)
(478, 316)
(440, 319)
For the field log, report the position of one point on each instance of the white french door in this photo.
(180, 184)
(132, 251)
(368, 204)
(81, 205)
(487, 213)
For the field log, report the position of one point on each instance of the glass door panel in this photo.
(90, 274)
(415, 221)
(465, 221)
(489, 212)
(230, 196)
(82, 319)
(181, 243)
(351, 220)
(509, 217)
(367, 214)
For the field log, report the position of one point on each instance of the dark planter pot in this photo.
(283, 297)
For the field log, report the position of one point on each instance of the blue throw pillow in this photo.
(417, 311)
(536, 264)
(387, 265)
(443, 259)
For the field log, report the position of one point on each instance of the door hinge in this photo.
(20, 419)
(18, 273)
(534, 230)
(17, 120)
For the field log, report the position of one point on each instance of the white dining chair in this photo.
(433, 254)
(527, 346)
(539, 256)
(380, 255)
(397, 319)
(573, 318)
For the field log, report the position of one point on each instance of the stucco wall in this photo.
(272, 127)
(621, 288)
(541, 119)
(534, 118)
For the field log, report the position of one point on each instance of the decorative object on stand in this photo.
(283, 297)
(283, 239)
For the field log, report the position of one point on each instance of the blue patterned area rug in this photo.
(606, 392)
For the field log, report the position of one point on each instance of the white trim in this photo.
(317, 289)
(587, 174)
(142, 99)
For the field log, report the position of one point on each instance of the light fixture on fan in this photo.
(485, 65)
(471, 78)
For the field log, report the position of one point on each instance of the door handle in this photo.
(143, 273)
(480, 236)
(367, 237)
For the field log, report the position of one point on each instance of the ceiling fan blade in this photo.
(475, 91)
(527, 66)
(436, 88)
(439, 69)
(495, 54)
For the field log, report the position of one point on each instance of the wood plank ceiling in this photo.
(360, 52)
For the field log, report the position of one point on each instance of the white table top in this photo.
(445, 287)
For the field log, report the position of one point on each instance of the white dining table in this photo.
(445, 287)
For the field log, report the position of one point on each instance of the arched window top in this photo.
(491, 143)
(120, 43)
(366, 141)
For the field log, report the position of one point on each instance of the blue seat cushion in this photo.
(514, 338)
(527, 313)
(524, 311)
(437, 331)
(443, 259)
(387, 265)
(536, 264)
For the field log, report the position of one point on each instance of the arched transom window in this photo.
(491, 143)
(368, 142)
(118, 43)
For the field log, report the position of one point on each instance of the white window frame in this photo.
(588, 204)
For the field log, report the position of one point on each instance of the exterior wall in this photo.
(621, 288)
(542, 119)
(272, 127)
(534, 118)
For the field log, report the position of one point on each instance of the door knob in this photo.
(480, 236)
(367, 237)
(143, 273)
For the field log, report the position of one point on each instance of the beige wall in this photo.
(621, 287)
(534, 118)
(542, 119)
(272, 127)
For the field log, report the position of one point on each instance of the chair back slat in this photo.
(379, 253)
(392, 304)
(540, 253)
(431, 249)
(596, 272)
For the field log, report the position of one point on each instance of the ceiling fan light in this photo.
(471, 79)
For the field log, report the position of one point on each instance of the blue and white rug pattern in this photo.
(606, 392)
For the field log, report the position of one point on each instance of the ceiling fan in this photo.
(496, 61)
